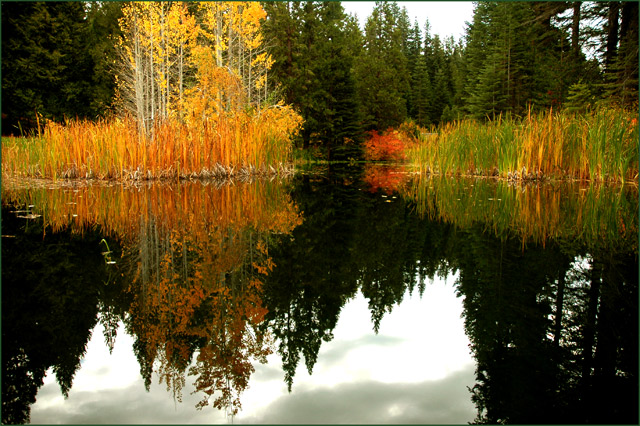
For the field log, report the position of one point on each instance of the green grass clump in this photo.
(600, 145)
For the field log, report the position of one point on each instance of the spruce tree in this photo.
(47, 67)
(313, 44)
(621, 75)
(381, 71)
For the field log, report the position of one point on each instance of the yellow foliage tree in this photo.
(161, 44)
(155, 55)
(196, 81)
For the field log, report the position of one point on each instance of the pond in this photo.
(343, 294)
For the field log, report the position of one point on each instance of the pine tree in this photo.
(381, 71)
(103, 19)
(622, 67)
(281, 28)
(422, 93)
(415, 65)
(314, 46)
(339, 112)
(517, 44)
(489, 98)
(47, 67)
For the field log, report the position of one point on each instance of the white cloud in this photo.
(431, 402)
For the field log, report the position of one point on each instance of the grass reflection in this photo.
(591, 213)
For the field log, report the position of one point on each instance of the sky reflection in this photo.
(415, 370)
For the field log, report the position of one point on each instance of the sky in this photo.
(415, 370)
(446, 18)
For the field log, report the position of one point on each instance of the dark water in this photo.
(338, 296)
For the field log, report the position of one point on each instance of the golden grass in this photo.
(119, 208)
(593, 214)
(241, 143)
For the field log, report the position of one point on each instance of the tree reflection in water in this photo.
(208, 280)
(190, 262)
(550, 304)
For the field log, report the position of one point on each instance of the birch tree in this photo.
(155, 49)
(162, 47)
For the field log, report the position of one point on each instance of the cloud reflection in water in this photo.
(415, 370)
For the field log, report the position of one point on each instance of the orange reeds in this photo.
(117, 209)
(113, 149)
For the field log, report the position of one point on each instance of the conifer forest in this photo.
(210, 70)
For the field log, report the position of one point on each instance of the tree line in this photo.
(61, 60)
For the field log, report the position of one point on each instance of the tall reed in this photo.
(600, 145)
(113, 149)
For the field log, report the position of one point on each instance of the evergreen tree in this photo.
(382, 70)
(622, 67)
(102, 19)
(415, 65)
(281, 28)
(340, 111)
(489, 98)
(457, 73)
(440, 80)
(313, 48)
(516, 44)
(422, 93)
(46, 64)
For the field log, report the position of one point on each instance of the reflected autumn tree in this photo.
(200, 296)
(197, 289)
(193, 260)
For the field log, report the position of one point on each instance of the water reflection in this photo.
(187, 283)
(208, 280)
(550, 296)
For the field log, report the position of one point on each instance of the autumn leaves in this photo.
(193, 102)
(194, 259)
(192, 63)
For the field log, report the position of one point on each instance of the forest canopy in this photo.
(84, 59)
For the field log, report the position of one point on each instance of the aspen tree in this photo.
(162, 43)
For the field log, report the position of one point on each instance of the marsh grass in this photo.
(113, 149)
(593, 214)
(601, 145)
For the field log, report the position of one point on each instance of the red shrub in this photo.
(384, 147)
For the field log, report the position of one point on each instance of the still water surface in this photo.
(337, 296)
